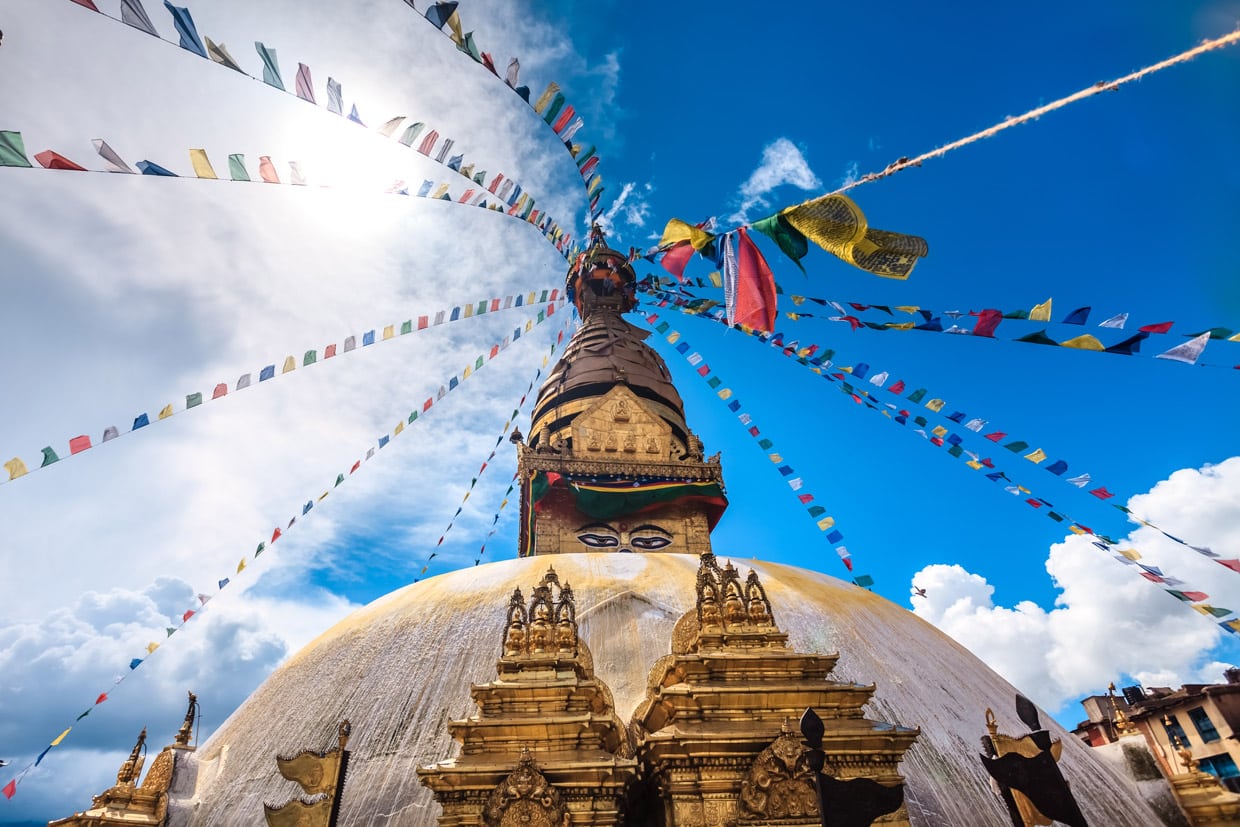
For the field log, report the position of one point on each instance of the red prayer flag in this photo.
(275, 535)
(1234, 565)
(54, 160)
(101, 699)
(1161, 327)
(494, 351)
(426, 406)
(1034, 503)
(755, 285)
(220, 390)
(853, 321)
(87, 3)
(987, 321)
(10, 789)
(988, 462)
(423, 323)
(676, 259)
(494, 305)
(79, 444)
(847, 563)
(329, 351)
(1153, 578)
(806, 499)
(1102, 493)
(188, 614)
(898, 387)
(358, 464)
(936, 440)
(563, 120)
(996, 436)
(1196, 597)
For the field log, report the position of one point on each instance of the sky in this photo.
(125, 293)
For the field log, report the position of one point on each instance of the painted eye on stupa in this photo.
(598, 540)
(652, 543)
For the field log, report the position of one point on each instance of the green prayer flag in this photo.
(864, 580)
(791, 240)
(1017, 314)
(12, 150)
(1016, 446)
(49, 456)
(193, 400)
(917, 395)
(816, 510)
(1039, 338)
(236, 168)
(407, 327)
(310, 358)
(263, 545)
(478, 364)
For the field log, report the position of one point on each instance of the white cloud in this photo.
(1107, 622)
(631, 208)
(852, 173)
(782, 164)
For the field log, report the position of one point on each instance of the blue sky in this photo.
(126, 293)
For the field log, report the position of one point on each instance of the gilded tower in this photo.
(611, 464)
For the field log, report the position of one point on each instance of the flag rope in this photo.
(943, 437)
(10, 789)
(17, 468)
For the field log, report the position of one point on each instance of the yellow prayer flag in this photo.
(466, 497)
(151, 647)
(796, 317)
(389, 331)
(400, 426)
(805, 351)
(935, 405)
(678, 231)
(939, 431)
(15, 467)
(836, 224)
(975, 465)
(544, 100)
(907, 308)
(468, 371)
(1085, 342)
(529, 325)
(899, 325)
(166, 412)
(1203, 608)
(454, 23)
(241, 566)
(1041, 312)
(1234, 338)
(1234, 625)
(323, 496)
(726, 393)
(60, 737)
(440, 191)
(469, 311)
(775, 458)
(798, 300)
(716, 280)
(502, 504)
(846, 368)
(673, 337)
(202, 165)
(290, 364)
(424, 568)
(1036, 455)
(1076, 529)
(1131, 553)
(825, 523)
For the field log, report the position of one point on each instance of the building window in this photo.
(1205, 728)
(1220, 766)
(1175, 732)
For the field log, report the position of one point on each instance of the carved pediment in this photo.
(620, 425)
(525, 799)
(779, 785)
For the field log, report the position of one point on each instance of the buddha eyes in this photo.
(599, 540)
(650, 543)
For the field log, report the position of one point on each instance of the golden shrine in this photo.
(642, 680)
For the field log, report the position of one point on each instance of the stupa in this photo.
(647, 678)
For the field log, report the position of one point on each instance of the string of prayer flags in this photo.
(936, 405)
(16, 467)
(953, 444)
(816, 512)
(133, 14)
(836, 224)
(224, 582)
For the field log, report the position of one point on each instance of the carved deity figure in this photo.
(610, 444)
(630, 443)
(709, 612)
(525, 798)
(733, 606)
(622, 411)
(652, 445)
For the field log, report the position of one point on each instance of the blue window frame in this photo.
(1175, 733)
(1205, 727)
(1220, 766)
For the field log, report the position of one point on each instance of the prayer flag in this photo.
(1057, 467)
(1189, 352)
(1036, 456)
(236, 167)
(49, 456)
(109, 156)
(514, 71)
(1130, 345)
(202, 164)
(1161, 327)
(1078, 316)
(10, 789)
(1041, 312)
(267, 373)
(152, 168)
(335, 97)
(1081, 481)
(184, 22)
(219, 53)
(987, 321)
(79, 444)
(546, 97)
(134, 15)
(1085, 342)
(15, 467)
(836, 223)
(140, 421)
(755, 286)
(678, 231)
(267, 170)
(1102, 493)
(1117, 322)
(304, 85)
(54, 160)
(355, 116)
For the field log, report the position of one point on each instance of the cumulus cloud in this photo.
(1107, 622)
(782, 164)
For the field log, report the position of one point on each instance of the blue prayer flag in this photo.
(267, 373)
